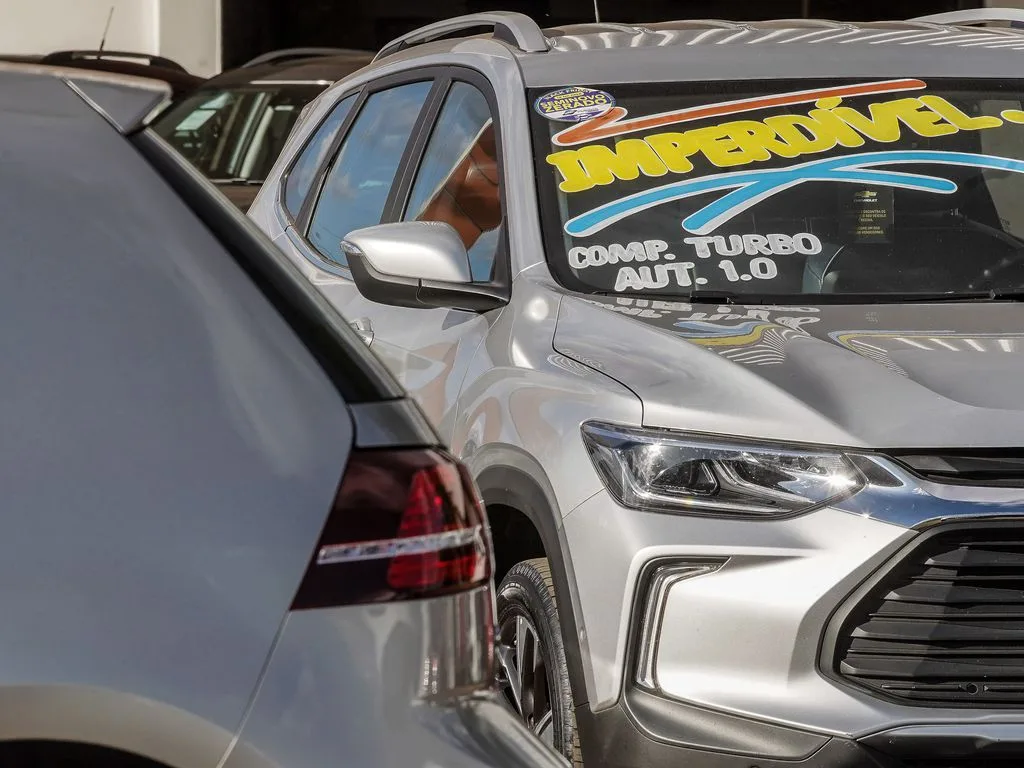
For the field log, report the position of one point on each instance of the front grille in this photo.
(1000, 469)
(945, 624)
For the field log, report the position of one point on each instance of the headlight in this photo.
(669, 472)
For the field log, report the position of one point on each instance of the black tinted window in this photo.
(457, 181)
(237, 134)
(358, 183)
(300, 177)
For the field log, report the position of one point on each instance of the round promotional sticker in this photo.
(574, 105)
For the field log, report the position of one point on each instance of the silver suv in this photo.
(724, 319)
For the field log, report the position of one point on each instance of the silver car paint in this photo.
(439, 253)
(550, 360)
(171, 452)
(351, 685)
(166, 470)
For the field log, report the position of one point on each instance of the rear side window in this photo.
(300, 178)
(358, 184)
(457, 182)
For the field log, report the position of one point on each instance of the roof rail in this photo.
(975, 16)
(63, 57)
(289, 54)
(517, 29)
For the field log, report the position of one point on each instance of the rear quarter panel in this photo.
(170, 449)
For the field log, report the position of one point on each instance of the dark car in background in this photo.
(181, 81)
(234, 127)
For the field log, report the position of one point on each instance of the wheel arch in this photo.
(511, 481)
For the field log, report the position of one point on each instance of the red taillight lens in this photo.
(405, 524)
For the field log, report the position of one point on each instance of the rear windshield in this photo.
(847, 189)
(236, 135)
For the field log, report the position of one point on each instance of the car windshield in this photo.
(235, 135)
(840, 189)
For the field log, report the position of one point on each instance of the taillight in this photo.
(405, 524)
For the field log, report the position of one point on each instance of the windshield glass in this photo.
(784, 189)
(236, 135)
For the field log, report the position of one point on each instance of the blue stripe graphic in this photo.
(751, 187)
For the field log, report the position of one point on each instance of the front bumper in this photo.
(734, 677)
(645, 731)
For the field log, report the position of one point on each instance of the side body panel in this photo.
(372, 685)
(170, 448)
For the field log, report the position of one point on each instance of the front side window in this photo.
(458, 181)
(768, 191)
(357, 186)
(235, 135)
(301, 175)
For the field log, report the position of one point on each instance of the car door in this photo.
(448, 169)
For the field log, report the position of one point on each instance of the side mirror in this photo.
(416, 264)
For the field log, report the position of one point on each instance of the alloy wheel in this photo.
(522, 674)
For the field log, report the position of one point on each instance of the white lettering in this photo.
(781, 244)
(702, 244)
(655, 248)
(627, 253)
(807, 244)
(755, 244)
(628, 278)
(578, 258)
(735, 245)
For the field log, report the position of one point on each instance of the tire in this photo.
(527, 610)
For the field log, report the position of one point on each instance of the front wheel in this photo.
(531, 668)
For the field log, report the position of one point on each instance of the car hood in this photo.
(880, 375)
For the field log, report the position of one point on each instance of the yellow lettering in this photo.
(883, 125)
(627, 161)
(719, 147)
(758, 140)
(953, 115)
(923, 121)
(831, 124)
(574, 178)
(803, 135)
(674, 149)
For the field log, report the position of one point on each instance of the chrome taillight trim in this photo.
(383, 549)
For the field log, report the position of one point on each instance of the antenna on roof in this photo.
(597, 13)
(106, 29)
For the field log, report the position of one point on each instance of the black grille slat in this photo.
(944, 625)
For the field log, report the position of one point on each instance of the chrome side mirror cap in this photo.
(416, 264)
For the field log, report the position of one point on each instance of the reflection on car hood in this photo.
(883, 375)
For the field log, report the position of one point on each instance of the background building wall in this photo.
(187, 31)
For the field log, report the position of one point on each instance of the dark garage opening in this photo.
(252, 27)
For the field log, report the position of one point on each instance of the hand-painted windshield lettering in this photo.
(860, 188)
(599, 255)
(775, 244)
(742, 142)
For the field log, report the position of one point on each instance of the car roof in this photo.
(718, 50)
(802, 48)
(314, 69)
